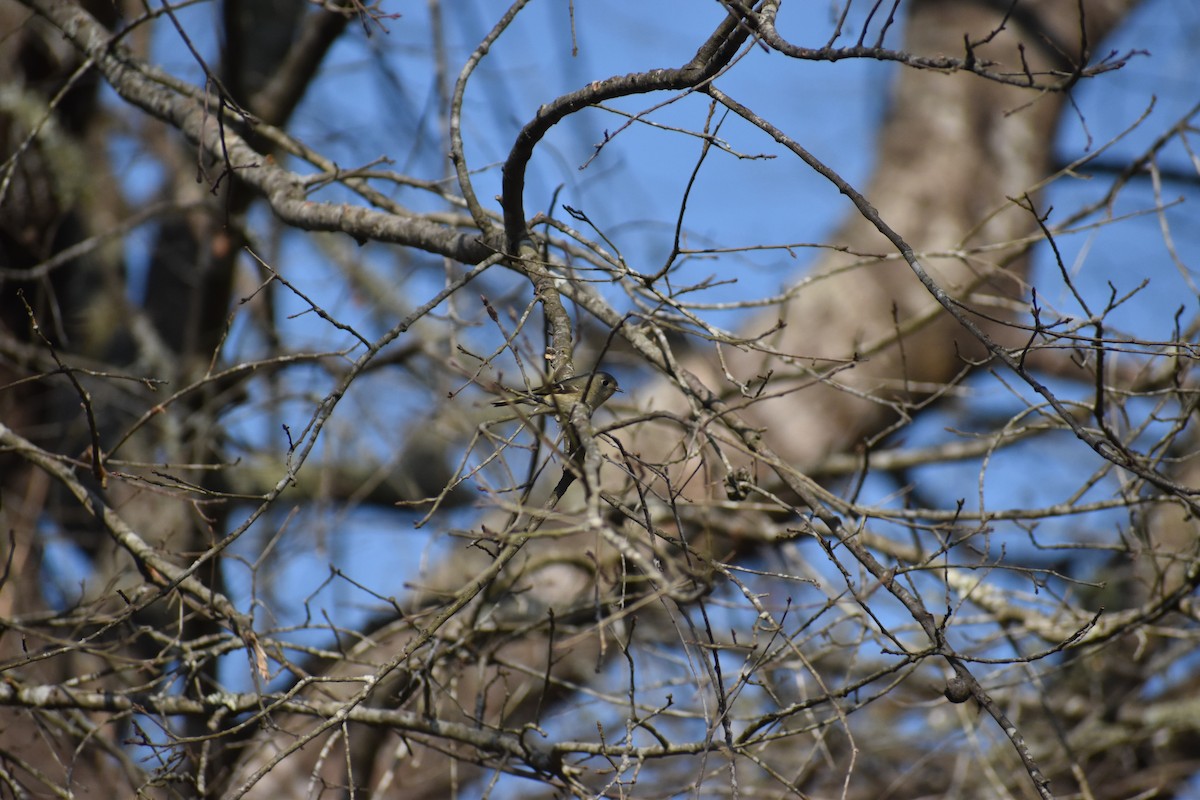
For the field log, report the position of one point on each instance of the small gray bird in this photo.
(593, 389)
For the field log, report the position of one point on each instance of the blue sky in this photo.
(375, 97)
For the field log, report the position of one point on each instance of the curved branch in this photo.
(712, 56)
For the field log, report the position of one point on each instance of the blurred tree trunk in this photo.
(62, 195)
(952, 155)
(52, 203)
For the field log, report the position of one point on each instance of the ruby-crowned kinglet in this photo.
(592, 389)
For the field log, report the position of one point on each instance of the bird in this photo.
(592, 389)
